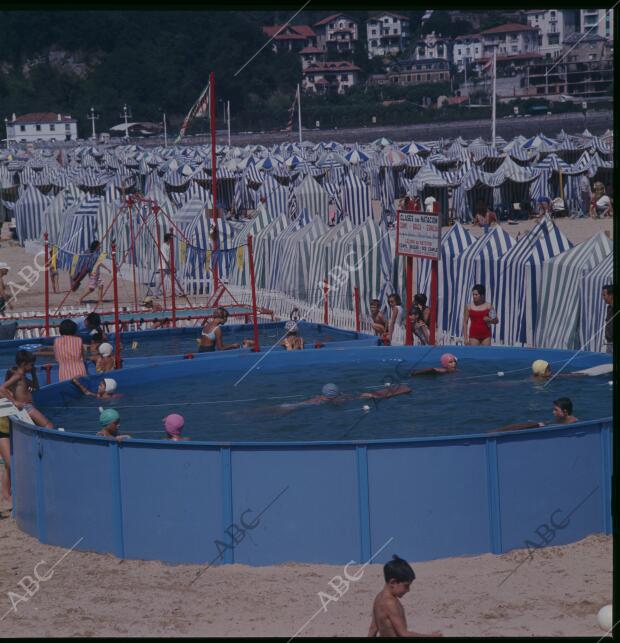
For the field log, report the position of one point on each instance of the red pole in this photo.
(216, 279)
(434, 300)
(325, 301)
(356, 293)
(254, 317)
(47, 285)
(173, 300)
(161, 267)
(117, 330)
(133, 255)
(409, 295)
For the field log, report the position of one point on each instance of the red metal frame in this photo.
(117, 333)
(254, 316)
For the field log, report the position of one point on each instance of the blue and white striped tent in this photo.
(79, 226)
(355, 200)
(28, 212)
(557, 325)
(468, 268)
(314, 198)
(592, 308)
(517, 277)
(263, 243)
(454, 241)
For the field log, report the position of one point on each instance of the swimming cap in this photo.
(290, 327)
(110, 384)
(539, 367)
(447, 357)
(330, 390)
(105, 349)
(108, 416)
(174, 424)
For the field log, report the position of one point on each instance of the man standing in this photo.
(585, 194)
(608, 297)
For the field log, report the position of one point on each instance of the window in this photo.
(554, 38)
(552, 13)
(52, 127)
(67, 127)
(38, 128)
(395, 31)
(344, 76)
(22, 128)
(418, 77)
(351, 25)
(468, 51)
(514, 49)
(428, 76)
(408, 78)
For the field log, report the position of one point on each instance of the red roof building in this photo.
(290, 37)
(338, 33)
(333, 77)
(41, 127)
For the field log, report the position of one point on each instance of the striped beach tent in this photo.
(467, 268)
(28, 213)
(517, 279)
(592, 308)
(263, 243)
(454, 241)
(79, 225)
(313, 197)
(355, 199)
(557, 325)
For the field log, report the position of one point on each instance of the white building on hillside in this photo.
(554, 25)
(41, 127)
(387, 33)
(599, 22)
(467, 48)
(510, 39)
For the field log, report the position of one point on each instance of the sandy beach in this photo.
(558, 592)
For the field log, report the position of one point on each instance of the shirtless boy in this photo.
(18, 387)
(388, 615)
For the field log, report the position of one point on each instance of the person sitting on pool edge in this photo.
(379, 322)
(106, 389)
(292, 341)
(448, 365)
(211, 337)
(173, 426)
(110, 421)
(562, 410)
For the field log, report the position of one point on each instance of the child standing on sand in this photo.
(388, 615)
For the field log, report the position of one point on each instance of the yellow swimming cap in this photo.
(539, 367)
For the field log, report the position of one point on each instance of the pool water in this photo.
(471, 400)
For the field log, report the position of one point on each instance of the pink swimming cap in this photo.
(174, 423)
(446, 358)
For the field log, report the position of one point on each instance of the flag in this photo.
(291, 113)
(293, 206)
(199, 109)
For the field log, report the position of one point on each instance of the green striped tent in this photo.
(263, 245)
(558, 320)
(313, 197)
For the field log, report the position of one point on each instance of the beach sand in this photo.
(558, 592)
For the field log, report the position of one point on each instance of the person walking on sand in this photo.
(388, 614)
(94, 278)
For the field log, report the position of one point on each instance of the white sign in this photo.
(418, 234)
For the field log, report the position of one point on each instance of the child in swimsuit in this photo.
(105, 360)
(18, 388)
(106, 388)
(292, 341)
(211, 336)
(379, 323)
(448, 365)
(110, 421)
(480, 316)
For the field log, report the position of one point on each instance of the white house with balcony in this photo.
(467, 49)
(510, 39)
(333, 77)
(599, 22)
(336, 33)
(41, 127)
(387, 33)
(554, 26)
(432, 47)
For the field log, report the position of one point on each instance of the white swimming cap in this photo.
(105, 349)
(110, 384)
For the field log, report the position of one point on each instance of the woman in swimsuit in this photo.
(211, 336)
(480, 316)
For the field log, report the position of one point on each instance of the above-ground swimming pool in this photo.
(417, 475)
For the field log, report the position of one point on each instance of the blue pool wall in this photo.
(332, 502)
(360, 339)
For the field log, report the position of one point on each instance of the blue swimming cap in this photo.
(330, 390)
(108, 416)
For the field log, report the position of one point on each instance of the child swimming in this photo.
(105, 389)
(19, 385)
(448, 365)
(330, 393)
(292, 341)
(173, 426)
(388, 615)
(105, 362)
(562, 411)
(110, 421)
(541, 370)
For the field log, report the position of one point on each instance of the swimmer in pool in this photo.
(292, 340)
(173, 426)
(110, 421)
(331, 394)
(562, 410)
(448, 365)
(105, 361)
(541, 370)
(210, 339)
(106, 388)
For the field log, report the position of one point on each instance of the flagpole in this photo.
(228, 120)
(213, 177)
(493, 99)
(299, 111)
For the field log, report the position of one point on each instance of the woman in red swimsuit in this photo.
(480, 316)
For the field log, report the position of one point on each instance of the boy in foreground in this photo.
(388, 615)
